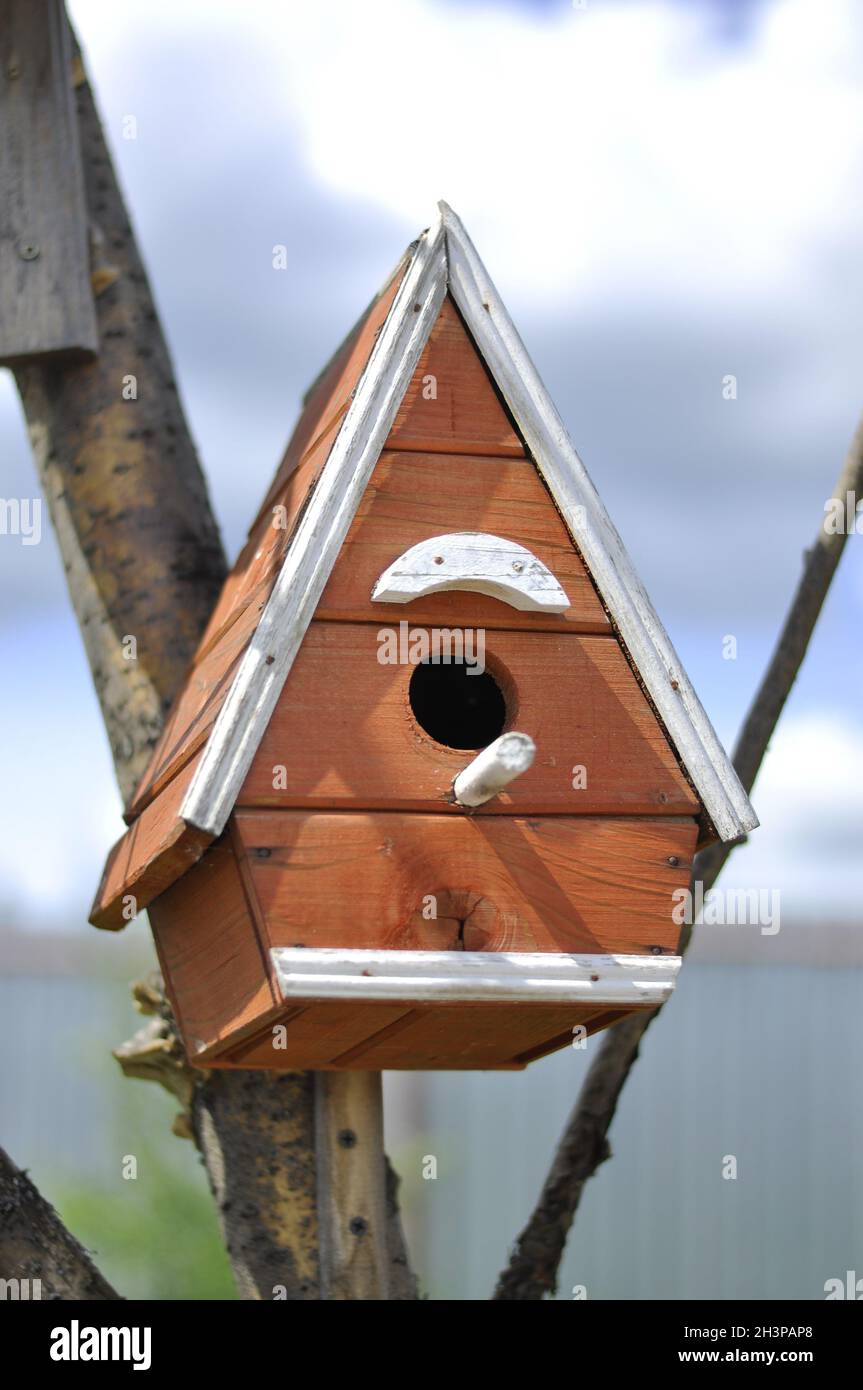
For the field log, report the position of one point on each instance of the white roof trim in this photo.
(591, 528)
(523, 977)
(243, 718)
(445, 259)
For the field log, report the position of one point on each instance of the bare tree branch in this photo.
(402, 1282)
(143, 559)
(35, 1245)
(532, 1269)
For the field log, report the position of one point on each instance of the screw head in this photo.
(358, 1226)
(347, 1138)
(28, 250)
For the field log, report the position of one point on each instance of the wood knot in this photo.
(452, 919)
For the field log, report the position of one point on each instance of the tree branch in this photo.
(35, 1245)
(535, 1260)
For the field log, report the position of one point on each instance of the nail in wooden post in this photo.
(349, 1134)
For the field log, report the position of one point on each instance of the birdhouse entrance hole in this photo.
(457, 705)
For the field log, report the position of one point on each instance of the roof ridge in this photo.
(444, 261)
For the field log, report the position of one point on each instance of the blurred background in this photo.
(667, 195)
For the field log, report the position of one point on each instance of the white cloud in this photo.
(621, 146)
(808, 799)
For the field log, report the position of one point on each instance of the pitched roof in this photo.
(249, 646)
(250, 583)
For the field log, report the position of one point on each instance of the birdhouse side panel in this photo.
(217, 975)
(392, 881)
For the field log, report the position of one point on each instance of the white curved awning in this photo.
(478, 562)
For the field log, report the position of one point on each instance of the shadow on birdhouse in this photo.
(436, 772)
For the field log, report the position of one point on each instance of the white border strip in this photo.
(529, 977)
(242, 720)
(591, 528)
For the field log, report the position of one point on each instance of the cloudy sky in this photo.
(665, 194)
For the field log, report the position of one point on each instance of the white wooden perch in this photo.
(478, 562)
(493, 769)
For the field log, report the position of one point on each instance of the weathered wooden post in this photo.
(46, 304)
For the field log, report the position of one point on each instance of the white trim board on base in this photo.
(513, 977)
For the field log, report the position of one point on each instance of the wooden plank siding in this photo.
(316, 1033)
(451, 404)
(414, 496)
(156, 850)
(345, 734)
(217, 975)
(189, 723)
(464, 393)
(554, 883)
(248, 586)
(337, 1036)
(343, 729)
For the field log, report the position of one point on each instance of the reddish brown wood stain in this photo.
(504, 883)
(414, 496)
(249, 584)
(362, 832)
(218, 980)
(156, 850)
(400, 1037)
(345, 736)
(450, 404)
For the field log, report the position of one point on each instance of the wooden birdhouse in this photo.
(436, 771)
